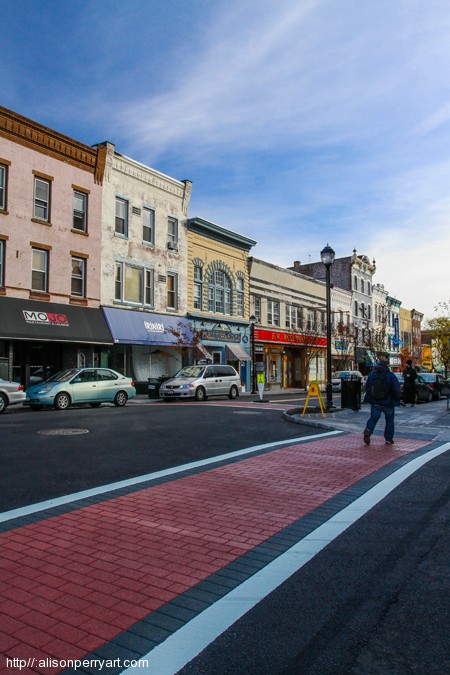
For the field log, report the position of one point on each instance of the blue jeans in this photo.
(375, 414)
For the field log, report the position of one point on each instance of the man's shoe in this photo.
(366, 436)
(389, 442)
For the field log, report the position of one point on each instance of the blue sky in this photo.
(300, 122)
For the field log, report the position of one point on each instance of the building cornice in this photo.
(213, 231)
(37, 137)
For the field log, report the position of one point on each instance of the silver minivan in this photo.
(199, 382)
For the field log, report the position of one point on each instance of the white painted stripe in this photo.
(184, 645)
(67, 499)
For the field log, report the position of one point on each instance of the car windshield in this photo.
(428, 377)
(63, 375)
(399, 376)
(190, 371)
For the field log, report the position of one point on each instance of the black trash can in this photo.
(154, 385)
(351, 393)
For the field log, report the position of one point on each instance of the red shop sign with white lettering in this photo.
(289, 338)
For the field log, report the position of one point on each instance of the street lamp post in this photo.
(327, 257)
(252, 349)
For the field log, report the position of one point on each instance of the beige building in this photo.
(342, 346)
(218, 294)
(406, 328)
(144, 272)
(290, 333)
(143, 282)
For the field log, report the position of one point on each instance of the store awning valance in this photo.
(52, 322)
(147, 328)
(203, 351)
(235, 352)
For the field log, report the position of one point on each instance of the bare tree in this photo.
(187, 338)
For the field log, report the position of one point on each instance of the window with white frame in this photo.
(198, 287)
(121, 222)
(240, 297)
(42, 199)
(257, 302)
(273, 313)
(356, 308)
(79, 211)
(2, 263)
(310, 320)
(39, 270)
(149, 291)
(134, 284)
(3, 176)
(78, 277)
(293, 316)
(172, 290)
(355, 282)
(172, 230)
(148, 231)
(220, 290)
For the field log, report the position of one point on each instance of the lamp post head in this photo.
(327, 256)
(252, 319)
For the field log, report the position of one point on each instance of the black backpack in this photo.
(379, 386)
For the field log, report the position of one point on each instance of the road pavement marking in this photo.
(185, 644)
(84, 494)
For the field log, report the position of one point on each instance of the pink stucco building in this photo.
(50, 250)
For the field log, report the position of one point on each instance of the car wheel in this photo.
(200, 394)
(120, 399)
(233, 392)
(3, 403)
(62, 401)
(95, 405)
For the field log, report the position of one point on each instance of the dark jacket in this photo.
(393, 398)
(410, 377)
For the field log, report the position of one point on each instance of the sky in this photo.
(300, 122)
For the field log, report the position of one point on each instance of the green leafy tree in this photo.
(439, 330)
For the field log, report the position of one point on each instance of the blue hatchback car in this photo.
(81, 385)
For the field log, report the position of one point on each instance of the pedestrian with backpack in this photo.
(383, 394)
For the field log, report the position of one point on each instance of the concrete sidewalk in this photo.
(426, 420)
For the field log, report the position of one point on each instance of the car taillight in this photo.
(20, 388)
(132, 383)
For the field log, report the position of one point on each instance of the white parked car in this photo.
(336, 378)
(11, 393)
(199, 382)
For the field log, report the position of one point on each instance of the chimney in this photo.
(297, 265)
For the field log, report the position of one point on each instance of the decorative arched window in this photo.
(220, 292)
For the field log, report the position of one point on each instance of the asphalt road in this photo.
(374, 602)
(120, 443)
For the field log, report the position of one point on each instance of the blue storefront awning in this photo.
(146, 328)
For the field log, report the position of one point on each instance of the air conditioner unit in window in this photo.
(172, 246)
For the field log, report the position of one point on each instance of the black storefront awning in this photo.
(51, 322)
